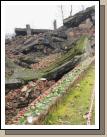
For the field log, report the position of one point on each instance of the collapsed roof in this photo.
(71, 21)
(74, 21)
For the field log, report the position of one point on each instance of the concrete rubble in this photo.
(29, 45)
(35, 54)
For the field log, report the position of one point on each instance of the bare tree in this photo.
(55, 24)
(71, 11)
(62, 13)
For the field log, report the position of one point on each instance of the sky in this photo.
(38, 16)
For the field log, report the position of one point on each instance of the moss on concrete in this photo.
(79, 48)
(75, 104)
(28, 74)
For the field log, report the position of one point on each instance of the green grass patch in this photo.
(75, 104)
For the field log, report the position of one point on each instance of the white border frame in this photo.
(96, 126)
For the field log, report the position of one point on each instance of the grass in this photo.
(75, 104)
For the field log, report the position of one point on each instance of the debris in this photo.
(37, 58)
(30, 119)
(74, 21)
(43, 79)
(24, 89)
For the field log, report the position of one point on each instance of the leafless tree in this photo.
(55, 24)
(71, 11)
(62, 13)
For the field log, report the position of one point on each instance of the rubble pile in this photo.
(34, 54)
(20, 98)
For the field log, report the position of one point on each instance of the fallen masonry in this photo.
(39, 108)
(20, 98)
(66, 62)
(40, 64)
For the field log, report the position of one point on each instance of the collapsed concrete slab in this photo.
(24, 31)
(74, 21)
(44, 42)
(31, 57)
